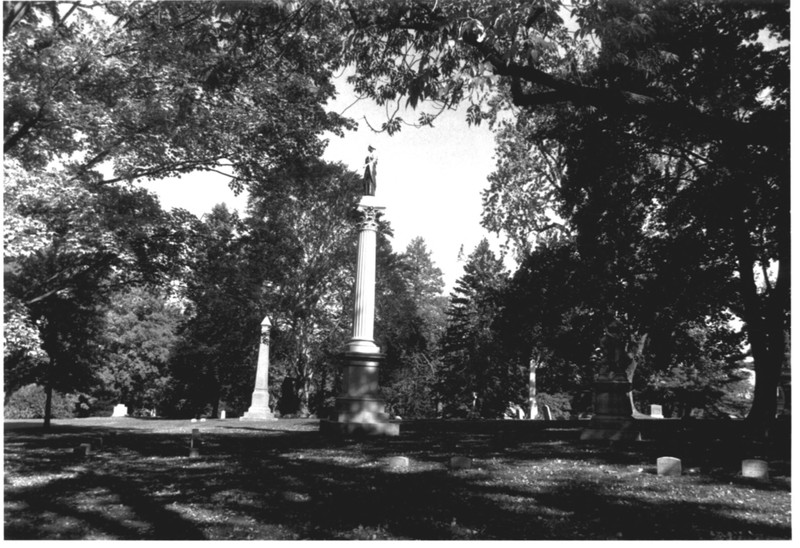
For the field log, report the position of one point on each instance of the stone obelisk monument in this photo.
(359, 408)
(259, 408)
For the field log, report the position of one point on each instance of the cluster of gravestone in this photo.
(93, 446)
(751, 468)
(458, 462)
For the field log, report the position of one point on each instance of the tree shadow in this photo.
(273, 484)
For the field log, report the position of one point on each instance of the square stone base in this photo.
(258, 415)
(611, 429)
(334, 428)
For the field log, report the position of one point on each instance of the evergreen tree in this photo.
(475, 380)
(410, 322)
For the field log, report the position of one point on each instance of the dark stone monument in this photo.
(613, 401)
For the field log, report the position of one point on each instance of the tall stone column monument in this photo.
(259, 408)
(359, 408)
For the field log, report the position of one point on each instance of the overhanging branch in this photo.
(624, 102)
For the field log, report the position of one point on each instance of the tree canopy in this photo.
(642, 145)
(657, 117)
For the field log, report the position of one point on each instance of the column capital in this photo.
(369, 210)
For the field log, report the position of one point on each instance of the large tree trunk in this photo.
(303, 387)
(534, 406)
(764, 318)
(48, 392)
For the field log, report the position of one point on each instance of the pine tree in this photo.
(474, 382)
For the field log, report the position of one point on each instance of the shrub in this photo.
(560, 405)
(28, 403)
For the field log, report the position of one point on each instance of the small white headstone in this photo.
(194, 420)
(202, 420)
(396, 463)
(222, 414)
(754, 468)
(120, 410)
(548, 416)
(460, 462)
(655, 412)
(668, 466)
(83, 450)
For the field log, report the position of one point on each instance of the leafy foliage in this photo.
(166, 88)
(69, 246)
(29, 403)
(410, 323)
(670, 120)
(140, 335)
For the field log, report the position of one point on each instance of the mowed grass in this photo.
(283, 480)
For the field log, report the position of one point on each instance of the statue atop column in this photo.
(370, 172)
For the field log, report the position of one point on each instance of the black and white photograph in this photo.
(397, 270)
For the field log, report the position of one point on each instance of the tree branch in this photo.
(624, 102)
(23, 130)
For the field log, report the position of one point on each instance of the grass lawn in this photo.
(283, 480)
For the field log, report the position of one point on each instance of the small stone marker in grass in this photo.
(756, 469)
(396, 463)
(194, 444)
(97, 443)
(655, 412)
(222, 414)
(548, 415)
(460, 463)
(83, 450)
(668, 466)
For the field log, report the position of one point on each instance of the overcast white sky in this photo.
(430, 180)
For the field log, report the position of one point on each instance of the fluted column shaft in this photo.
(359, 406)
(362, 340)
(364, 305)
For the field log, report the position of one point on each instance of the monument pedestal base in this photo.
(611, 429)
(359, 409)
(613, 419)
(335, 428)
(258, 415)
(259, 408)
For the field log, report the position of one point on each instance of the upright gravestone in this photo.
(359, 407)
(755, 468)
(259, 406)
(668, 466)
(120, 410)
(655, 412)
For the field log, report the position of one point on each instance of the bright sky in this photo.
(430, 180)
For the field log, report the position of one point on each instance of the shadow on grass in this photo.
(273, 484)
